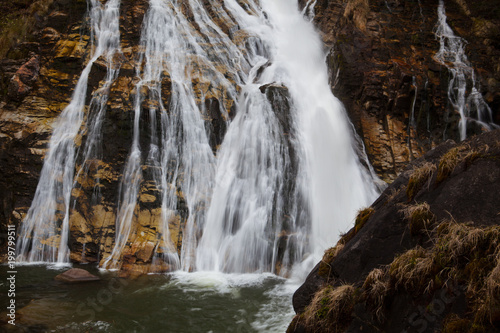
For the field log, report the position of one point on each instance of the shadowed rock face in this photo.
(382, 66)
(465, 195)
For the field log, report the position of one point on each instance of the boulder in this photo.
(76, 275)
(432, 234)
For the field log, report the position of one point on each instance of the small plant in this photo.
(361, 219)
(376, 288)
(331, 309)
(325, 265)
(447, 164)
(413, 270)
(418, 179)
(420, 217)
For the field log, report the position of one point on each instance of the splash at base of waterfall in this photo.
(179, 302)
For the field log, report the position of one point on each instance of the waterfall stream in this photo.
(285, 180)
(39, 236)
(463, 93)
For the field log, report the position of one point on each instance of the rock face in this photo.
(414, 251)
(38, 76)
(383, 68)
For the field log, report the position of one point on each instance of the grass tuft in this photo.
(420, 217)
(330, 309)
(418, 179)
(447, 164)
(375, 289)
(413, 270)
(361, 219)
(325, 265)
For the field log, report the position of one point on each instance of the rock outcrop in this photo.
(38, 76)
(424, 257)
(381, 55)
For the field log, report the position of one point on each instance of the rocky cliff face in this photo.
(380, 71)
(39, 72)
(424, 257)
(383, 68)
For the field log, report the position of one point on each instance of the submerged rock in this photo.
(75, 275)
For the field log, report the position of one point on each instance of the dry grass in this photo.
(463, 153)
(492, 291)
(461, 253)
(412, 270)
(330, 309)
(418, 178)
(447, 164)
(361, 219)
(325, 266)
(393, 193)
(375, 289)
(471, 156)
(420, 217)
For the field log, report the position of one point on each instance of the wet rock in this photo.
(22, 82)
(76, 275)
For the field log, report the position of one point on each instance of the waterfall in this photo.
(463, 94)
(328, 185)
(286, 177)
(308, 10)
(44, 232)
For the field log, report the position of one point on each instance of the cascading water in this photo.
(286, 179)
(329, 184)
(308, 10)
(463, 94)
(40, 238)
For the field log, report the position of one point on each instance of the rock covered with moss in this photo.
(426, 259)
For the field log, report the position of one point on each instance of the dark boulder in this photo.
(457, 187)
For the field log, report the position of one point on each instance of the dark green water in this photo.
(178, 302)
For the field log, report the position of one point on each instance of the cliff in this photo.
(424, 257)
(381, 56)
(412, 262)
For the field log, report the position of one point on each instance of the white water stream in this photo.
(463, 94)
(44, 233)
(284, 183)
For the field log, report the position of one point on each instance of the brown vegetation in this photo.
(420, 176)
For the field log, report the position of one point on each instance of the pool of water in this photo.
(177, 302)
